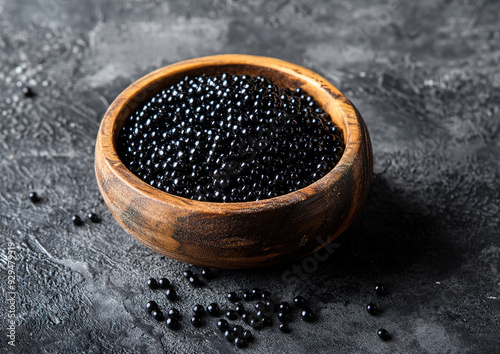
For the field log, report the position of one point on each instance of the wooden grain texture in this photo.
(237, 235)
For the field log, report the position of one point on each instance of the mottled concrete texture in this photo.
(425, 76)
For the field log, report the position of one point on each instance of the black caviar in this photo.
(230, 138)
(34, 197)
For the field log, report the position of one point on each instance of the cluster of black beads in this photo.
(230, 138)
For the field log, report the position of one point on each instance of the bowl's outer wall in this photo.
(237, 235)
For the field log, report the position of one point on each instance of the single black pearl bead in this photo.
(171, 294)
(300, 301)
(222, 325)
(229, 335)
(246, 317)
(232, 296)
(197, 320)
(240, 310)
(199, 310)
(283, 317)
(372, 308)
(231, 314)
(151, 306)
(93, 217)
(77, 220)
(194, 280)
(283, 327)
(28, 91)
(270, 306)
(266, 321)
(256, 323)
(247, 295)
(240, 342)
(152, 284)
(383, 334)
(207, 273)
(157, 315)
(213, 309)
(187, 273)
(173, 323)
(307, 315)
(174, 313)
(380, 289)
(256, 293)
(164, 283)
(246, 334)
(34, 197)
(285, 307)
(260, 306)
(266, 296)
(237, 330)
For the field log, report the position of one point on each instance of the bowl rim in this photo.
(138, 90)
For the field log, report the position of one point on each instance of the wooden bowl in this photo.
(246, 234)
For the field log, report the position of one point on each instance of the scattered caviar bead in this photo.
(371, 308)
(197, 320)
(266, 321)
(222, 325)
(229, 335)
(240, 310)
(28, 91)
(266, 295)
(213, 309)
(199, 310)
(164, 283)
(300, 302)
(187, 274)
(34, 197)
(237, 330)
(232, 296)
(171, 294)
(247, 295)
(77, 220)
(260, 306)
(256, 293)
(283, 327)
(240, 342)
(173, 323)
(93, 217)
(380, 289)
(285, 307)
(246, 317)
(171, 142)
(152, 284)
(246, 334)
(194, 280)
(270, 306)
(174, 313)
(383, 334)
(151, 306)
(207, 273)
(231, 314)
(256, 323)
(283, 317)
(157, 315)
(307, 315)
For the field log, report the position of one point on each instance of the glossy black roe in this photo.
(300, 302)
(171, 294)
(307, 315)
(164, 283)
(240, 342)
(197, 320)
(93, 217)
(224, 140)
(222, 325)
(173, 323)
(372, 308)
(151, 306)
(231, 314)
(199, 309)
(152, 284)
(383, 334)
(283, 327)
(28, 91)
(174, 313)
(213, 309)
(380, 289)
(232, 296)
(77, 220)
(34, 197)
(157, 315)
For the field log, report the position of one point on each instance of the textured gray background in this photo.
(425, 76)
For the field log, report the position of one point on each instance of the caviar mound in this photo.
(230, 138)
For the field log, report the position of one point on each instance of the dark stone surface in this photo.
(423, 74)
